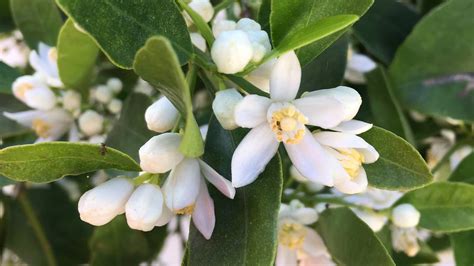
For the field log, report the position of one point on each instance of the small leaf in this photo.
(400, 166)
(343, 233)
(157, 63)
(77, 54)
(8, 75)
(121, 28)
(46, 162)
(462, 246)
(465, 171)
(444, 207)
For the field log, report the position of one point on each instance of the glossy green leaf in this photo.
(7, 76)
(9, 128)
(444, 207)
(462, 246)
(38, 20)
(201, 25)
(385, 107)
(121, 28)
(246, 227)
(264, 15)
(130, 132)
(400, 166)
(308, 12)
(77, 54)
(384, 27)
(46, 162)
(432, 70)
(343, 233)
(465, 171)
(157, 63)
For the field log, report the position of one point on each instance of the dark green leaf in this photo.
(122, 27)
(432, 70)
(445, 207)
(38, 20)
(400, 166)
(343, 233)
(462, 245)
(157, 63)
(465, 171)
(264, 15)
(45, 162)
(246, 227)
(77, 54)
(6, 20)
(7, 76)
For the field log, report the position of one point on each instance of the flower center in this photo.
(41, 127)
(287, 122)
(23, 88)
(186, 210)
(351, 160)
(292, 235)
(53, 54)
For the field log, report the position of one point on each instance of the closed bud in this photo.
(247, 24)
(224, 105)
(115, 85)
(203, 8)
(161, 116)
(198, 41)
(71, 100)
(144, 208)
(223, 25)
(101, 204)
(232, 51)
(103, 94)
(115, 106)
(405, 216)
(91, 123)
(34, 93)
(161, 153)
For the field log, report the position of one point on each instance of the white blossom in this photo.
(232, 51)
(224, 105)
(357, 65)
(201, 7)
(161, 116)
(13, 50)
(198, 41)
(34, 93)
(405, 215)
(115, 106)
(405, 240)
(103, 94)
(45, 63)
(91, 123)
(144, 207)
(115, 85)
(71, 100)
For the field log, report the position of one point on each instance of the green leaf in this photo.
(116, 244)
(400, 166)
(10, 128)
(384, 27)
(246, 227)
(201, 25)
(444, 207)
(7, 76)
(385, 107)
(462, 246)
(45, 162)
(6, 21)
(38, 21)
(157, 63)
(130, 132)
(432, 73)
(310, 33)
(308, 12)
(465, 171)
(121, 28)
(343, 233)
(264, 14)
(77, 54)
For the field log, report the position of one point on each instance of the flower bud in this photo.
(223, 25)
(224, 105)
(405, 215)
(247, 24)
(115, 106)
(144, 208)
(91, 123)
(71, 100)
(103, 94)
(101, 204)
(198, 41)
(161, 116)
(34, 93)
(203, 8)
(161, 153)
(115, 85)
(232, 51)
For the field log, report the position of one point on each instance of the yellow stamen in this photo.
(53, 54)
(186, 210)
(292, 235)
(22, 89)
(287, 123)
(41, 127)
(351, 160)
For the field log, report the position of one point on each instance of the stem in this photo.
(468, 141)
(37, 229)
(142, 178)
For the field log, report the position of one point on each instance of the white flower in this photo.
(103, 94)
(115, 106)
(357, 66)
(45, 63)
(115, 85)
(161, 116)
(284, 119)
(203, 8)
(185, 188)
(405, 215)
(101, 204)
(198, 41)
(13, 50)
(405, 240)
(144, 207)
(311, 186)
(222, 15)
(91, 123)
(48, 125)
(223, 25)
(71, 100)
(439, 146)
(224, 105)
(232, 51)
(34, 93)
(374, 198)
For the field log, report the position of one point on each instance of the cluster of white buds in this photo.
(106, 95)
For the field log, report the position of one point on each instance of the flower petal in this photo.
(311, 160)
(285, 78)
(166, 215)
(313, 244)
(251, 111)
(182, 186)
(203, 216)
(220, 182)
(252, 155)
(361, 63)
(355, 127)
(345, 184)
(305, 215)
(286, 256)
(322, 110)
(161, 153)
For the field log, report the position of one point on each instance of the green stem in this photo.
(445, 159)
(142, 178)
(37, 229)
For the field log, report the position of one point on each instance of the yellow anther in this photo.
(41, 127)
(23, 88)
(53, 54)
(186, 210)
(292, 235)
(351, 160)
(288, 125)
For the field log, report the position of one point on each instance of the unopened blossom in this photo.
(296, 241)
(101, 204)
(45, 62)
(91, 123)
(71, 100)
(103, 94)
(144, 207)
(405, 215)
(48, 125)
(405, 240)
(13, 50)
(203, 8)
(115, 85)
(185, 188)
(224, 105)
(357, 65)
(282, 118)
(198, 41)
(161, 116)
(34, 93)
(115, 106)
